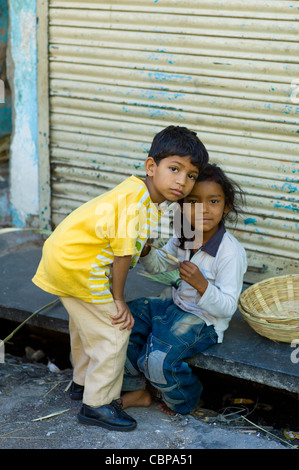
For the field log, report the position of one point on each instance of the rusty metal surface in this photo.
(121, 71)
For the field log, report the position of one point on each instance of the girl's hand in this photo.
(190, 273)
(123, 316)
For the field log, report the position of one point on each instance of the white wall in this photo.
(22, 72)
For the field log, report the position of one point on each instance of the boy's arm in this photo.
(121, 265)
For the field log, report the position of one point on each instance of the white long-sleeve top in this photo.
(222, 260)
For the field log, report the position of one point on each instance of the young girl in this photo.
(168, 331)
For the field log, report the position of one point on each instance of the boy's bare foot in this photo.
(163, 407)
(136, 398)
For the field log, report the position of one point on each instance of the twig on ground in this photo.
(51, 415)
(270, 433)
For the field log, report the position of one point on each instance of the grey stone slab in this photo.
(248, 355)
(243, 354)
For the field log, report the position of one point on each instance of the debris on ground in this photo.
(234, 417)
(37, 413)
(33, 355)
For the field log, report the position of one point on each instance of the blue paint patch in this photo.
(289, 188)
(16, 221)
(290, 207)
(250, 220)
(5, 117)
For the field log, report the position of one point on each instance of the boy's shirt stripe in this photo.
(117, 223)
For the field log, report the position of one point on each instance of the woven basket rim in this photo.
(264, 322)
(257, 314)
(270, 279)
(273, 298)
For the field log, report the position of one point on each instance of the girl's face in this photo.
(211, 196)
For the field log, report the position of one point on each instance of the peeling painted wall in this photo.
(121, 71)
(5, 99)
(22, 64)
(5, 117)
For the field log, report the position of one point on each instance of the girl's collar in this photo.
(212, 245)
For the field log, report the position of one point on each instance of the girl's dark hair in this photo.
(181, 141)
(234, 195)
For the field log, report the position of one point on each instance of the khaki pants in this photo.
(98, 350)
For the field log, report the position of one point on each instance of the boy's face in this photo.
(172, 179)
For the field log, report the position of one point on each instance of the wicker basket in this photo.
(271, 307)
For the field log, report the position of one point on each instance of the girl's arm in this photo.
(155, 261)
(220, 299)
(121, 265)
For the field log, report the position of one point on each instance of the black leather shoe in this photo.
(109, 416)
(76, 391)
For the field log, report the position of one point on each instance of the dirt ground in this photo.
(37, 413)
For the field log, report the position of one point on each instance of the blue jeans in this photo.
(163, 337)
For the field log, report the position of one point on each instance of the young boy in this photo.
(86, 261)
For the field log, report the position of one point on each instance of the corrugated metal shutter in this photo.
(121, 71)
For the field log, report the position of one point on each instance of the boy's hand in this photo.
(123, 316)
(146, 249)
(190, 273)
(121, 267)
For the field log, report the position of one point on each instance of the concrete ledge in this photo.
(247, 355)
(243, 354)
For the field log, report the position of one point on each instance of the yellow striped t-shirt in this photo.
(77, 258)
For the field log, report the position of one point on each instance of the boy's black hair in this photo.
(234, 195)
(177, 140)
